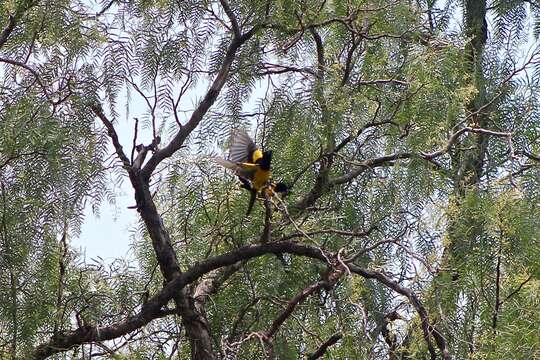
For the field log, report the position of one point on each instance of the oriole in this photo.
(251, 165)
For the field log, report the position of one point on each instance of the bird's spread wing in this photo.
(227, 164)
(244, 170)
(247, 170)
(241, 147)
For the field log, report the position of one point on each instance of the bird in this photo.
(251, 165)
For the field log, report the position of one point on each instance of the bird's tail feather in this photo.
(251, 202)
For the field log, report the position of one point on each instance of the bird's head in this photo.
(266, 160)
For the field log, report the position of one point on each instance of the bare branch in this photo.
(518, 289)
(276, 69)
(327, 283)
(135, 133)
(265, 236)
(112, 134)
(105, 8)
(329, 231)
(382, 82)
(375, 162)
(324, 347)
(266, 336)
(8, 29)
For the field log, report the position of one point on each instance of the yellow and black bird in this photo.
(251, 165)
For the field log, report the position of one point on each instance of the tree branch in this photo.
(329, 231)
(202, 108)
(36, 76)
(322, 349)
(232, 17)
(523, 283)
(214, 281)
(13, 20)
(375, 162)
(428, 329)
(96, 108)
(8, 29)
(152, 309)
(299, 298)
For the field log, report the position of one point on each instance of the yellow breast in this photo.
(260, 179)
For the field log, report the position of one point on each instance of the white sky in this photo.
(107, 236)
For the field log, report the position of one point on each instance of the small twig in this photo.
(134, 145)
(359, 253)
(291, 220)
(523, 283)
(96, 108)
(340, 261)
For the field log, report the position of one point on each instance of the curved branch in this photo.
(153, 307)
(428, 329)
(322, 349)
(299, 298)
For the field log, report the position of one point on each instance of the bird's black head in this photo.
(266, 160)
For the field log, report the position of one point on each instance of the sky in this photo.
(107, 236)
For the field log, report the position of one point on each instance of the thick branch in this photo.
(86, 334)
(152, 308)
(214, 281)
(7, 30)
(322, 349)
(232, 18)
